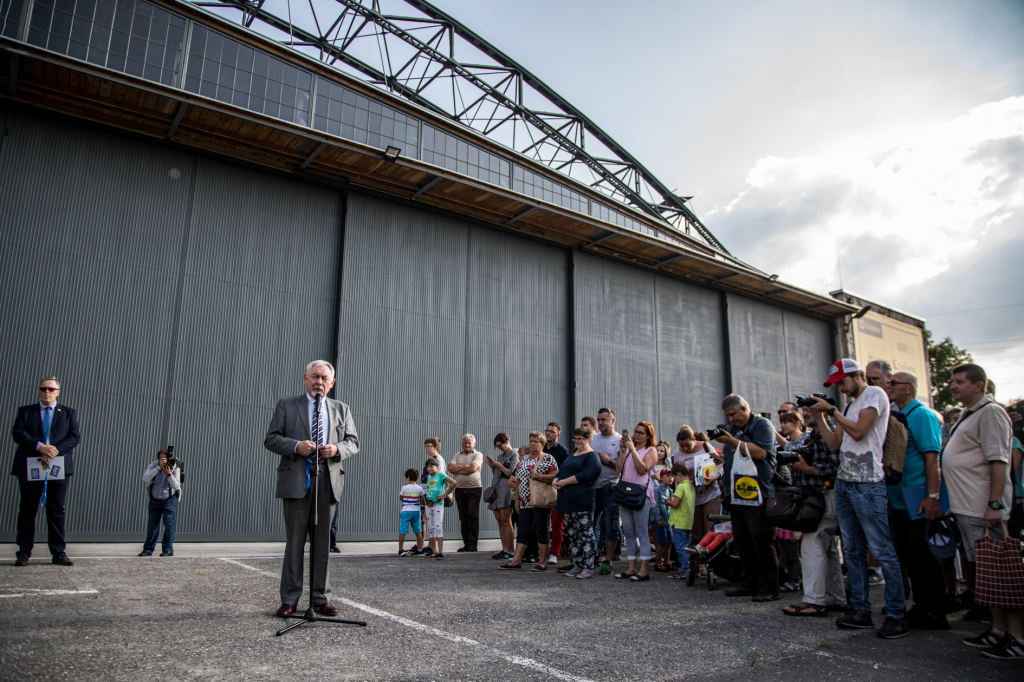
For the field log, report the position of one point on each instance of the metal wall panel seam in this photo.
(176, 329)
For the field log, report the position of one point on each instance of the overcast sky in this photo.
(879, 142)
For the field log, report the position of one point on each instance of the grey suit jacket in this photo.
(290, 425)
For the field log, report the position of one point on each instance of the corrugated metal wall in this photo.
(128, 267)
(776, 353)
(179, 298)
(648, 347)
(444, 329)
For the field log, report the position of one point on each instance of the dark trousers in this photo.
(334, 524)
(168, 511)
(31, 494)
(755, 542)
(468, 502)
(922, 567)
(298, 522)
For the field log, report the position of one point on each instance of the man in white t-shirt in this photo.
(606, 512)
(861, 498)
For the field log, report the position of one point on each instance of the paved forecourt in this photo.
(200, 616)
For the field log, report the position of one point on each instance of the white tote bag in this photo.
(746, 491)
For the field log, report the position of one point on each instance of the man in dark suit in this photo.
(290, 436)
(44, 430)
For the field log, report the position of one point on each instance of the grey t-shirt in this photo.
(608, 445)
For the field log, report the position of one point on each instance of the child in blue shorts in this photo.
(411, 495)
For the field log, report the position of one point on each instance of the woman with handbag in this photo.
(499, 496)
(531, 480)
(634, 465)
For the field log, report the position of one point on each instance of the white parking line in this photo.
(458, 639)
(47, 593)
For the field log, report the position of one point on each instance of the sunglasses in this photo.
(48, 389)
(899, 383)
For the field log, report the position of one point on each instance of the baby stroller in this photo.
(722, 562)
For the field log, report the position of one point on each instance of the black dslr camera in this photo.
(171, 459)
(793, 455)
(808, 400)
(718, 431)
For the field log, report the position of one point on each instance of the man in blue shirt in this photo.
(755, 537)
(921, 468)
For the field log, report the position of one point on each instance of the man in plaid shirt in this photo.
(823, 578)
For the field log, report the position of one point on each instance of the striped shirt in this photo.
(411, 497)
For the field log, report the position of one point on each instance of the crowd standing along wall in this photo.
(178, 297)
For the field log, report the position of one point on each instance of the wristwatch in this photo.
(832, 411)
(935, 496)
(996, 505)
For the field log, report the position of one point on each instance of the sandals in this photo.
(801, 610)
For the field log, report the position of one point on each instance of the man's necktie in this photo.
(46, 438)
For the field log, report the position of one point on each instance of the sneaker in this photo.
(566, 567)
(142, 553)
(499, 555)
(573, 572)
(531, 560)
(427, 551)
(408, 552)
(985, 640)
(978, 614)
(166, 553)
(854, 620)
(585, 573)
(876, 579)
(552, 559)
(1009, 648)
(893, 628)
(606, 568)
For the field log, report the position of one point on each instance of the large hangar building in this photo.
(196, 199)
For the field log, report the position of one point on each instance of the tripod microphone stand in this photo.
(310, 616)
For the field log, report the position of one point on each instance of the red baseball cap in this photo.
(840, 369)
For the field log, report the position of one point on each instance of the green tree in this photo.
(942, 358)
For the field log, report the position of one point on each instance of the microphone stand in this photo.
(310, 616)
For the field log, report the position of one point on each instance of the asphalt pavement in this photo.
(209, 615)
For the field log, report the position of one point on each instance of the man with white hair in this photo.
(465, 469)
(909, 525)
(310, 441)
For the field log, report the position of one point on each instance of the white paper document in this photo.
(54, 472)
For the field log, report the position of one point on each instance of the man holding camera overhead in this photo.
(755, 538)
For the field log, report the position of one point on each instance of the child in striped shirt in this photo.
(410, 495)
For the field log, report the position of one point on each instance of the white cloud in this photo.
(928, 228)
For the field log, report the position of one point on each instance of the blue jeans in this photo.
(864, 522)
(606, 519)
(682, 538)
(167, 509)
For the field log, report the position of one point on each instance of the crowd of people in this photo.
(908, 500)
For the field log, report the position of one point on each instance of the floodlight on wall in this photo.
(392, 153)
(773, 278)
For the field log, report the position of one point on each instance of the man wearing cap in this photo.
(861, 502)
(975, 465)
(909, 526)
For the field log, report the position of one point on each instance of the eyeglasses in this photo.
(48, 389)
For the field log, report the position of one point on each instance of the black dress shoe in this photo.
(335, 549)
(739, 592)
(21, 561)
(761, 597)
(63, 560)
(166, 553)
(145, 553)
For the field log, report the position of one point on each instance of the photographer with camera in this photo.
(162, 479)
(861, 500)
(815, 465)
(754, 537)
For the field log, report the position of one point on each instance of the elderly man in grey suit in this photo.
(291, 436)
